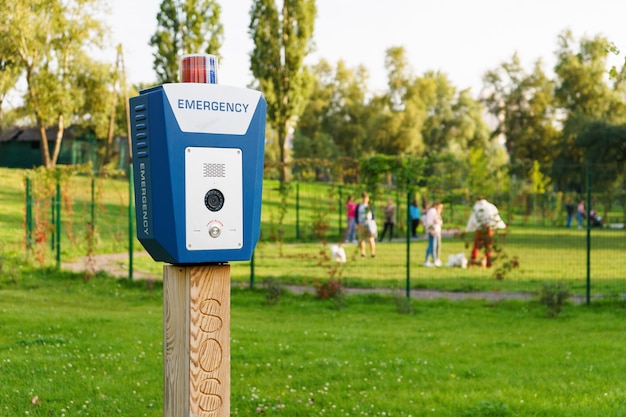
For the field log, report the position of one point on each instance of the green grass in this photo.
(70, 347)
(96, 349)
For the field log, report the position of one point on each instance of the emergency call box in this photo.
(198, 154)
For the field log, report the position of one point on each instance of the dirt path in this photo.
(116, 265)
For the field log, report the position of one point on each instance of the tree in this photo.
(523, 106)
(10, 68)
(396, 117)
(100, 110)
(605, 148)
(453, 121)
(586, 95)
(185, 27)
(49, 39)
(281, 42)
(335, 109)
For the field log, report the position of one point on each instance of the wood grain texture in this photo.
(176, 341)
(197, 340)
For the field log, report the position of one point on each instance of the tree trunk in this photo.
(43, 141)
(284, 152)
(57, 143)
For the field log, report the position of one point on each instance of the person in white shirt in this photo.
(432, 225)
(483, 221)
(366, 225)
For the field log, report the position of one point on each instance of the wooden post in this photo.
(196, 327)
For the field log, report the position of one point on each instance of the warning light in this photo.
(198, 68)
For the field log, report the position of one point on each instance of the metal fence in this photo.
(300, 226)
(537, 247)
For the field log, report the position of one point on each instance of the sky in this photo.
(460, 38)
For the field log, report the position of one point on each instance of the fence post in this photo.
(93, 204)
(52, 222)
(131, 216)
(588, 210)
(340, 211)
(298, 211)
(408, 245)
(57, 205)
(29, 215)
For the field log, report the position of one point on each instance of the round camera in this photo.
(214, 200)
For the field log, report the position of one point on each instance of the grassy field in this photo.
(75, 348)
(70, 347)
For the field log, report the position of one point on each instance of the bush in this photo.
(331, 290)
(273, 290)
(553, 295)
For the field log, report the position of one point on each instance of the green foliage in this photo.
(49, 42)
(523, 103)
(585, 96)
(185, 27)
(281, 42)
(333, 124)
(273, 290)
(404, 305)
(539, 182)
(553, 295)
(331, 289)
(605, 149)
(406, 170)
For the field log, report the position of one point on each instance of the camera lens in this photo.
(214, 200)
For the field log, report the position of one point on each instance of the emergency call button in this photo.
(215, 231)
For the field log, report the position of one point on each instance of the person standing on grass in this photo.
(365, 221)
(580, 213)
(351, 213)
(569, 208)
(483, 221)
(432, 226)
(415, 214)
(390, 219)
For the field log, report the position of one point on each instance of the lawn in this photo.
(71, 348)
(76, 347)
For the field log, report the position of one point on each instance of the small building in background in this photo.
(20, 147)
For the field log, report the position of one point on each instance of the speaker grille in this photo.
(214, 170)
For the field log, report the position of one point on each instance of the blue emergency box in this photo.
(198, 154)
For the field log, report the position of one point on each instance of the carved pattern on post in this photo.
(209, 341)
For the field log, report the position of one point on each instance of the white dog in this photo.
(337, 253)
(458, 260)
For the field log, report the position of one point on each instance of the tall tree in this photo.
(586, 95)
(185, 27)
(336, 106)
(50, 39)
(453, 121)
(524, 109)
(397, 116)
(282, 40)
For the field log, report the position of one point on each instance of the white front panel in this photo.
(211, 108)
(213, 198)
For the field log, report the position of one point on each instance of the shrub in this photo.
(273, 290)
(553, 295)
(331, 289)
